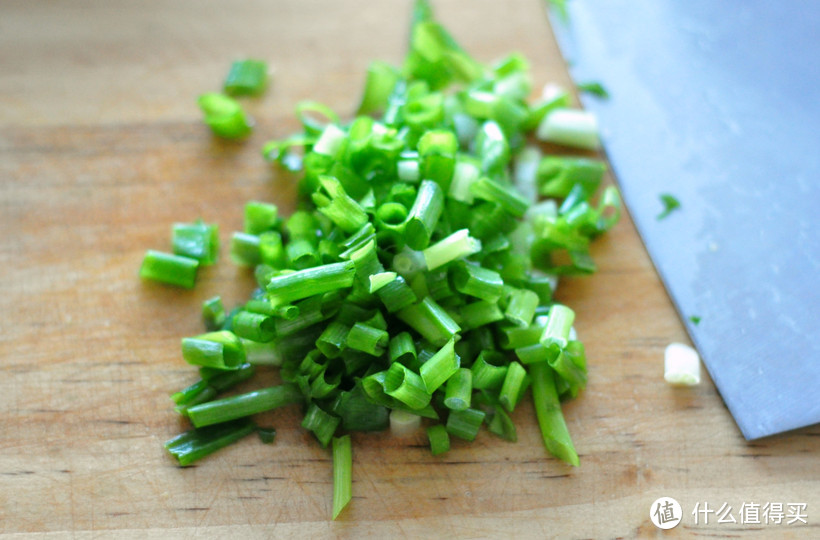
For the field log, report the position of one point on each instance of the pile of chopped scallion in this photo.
(414, 285)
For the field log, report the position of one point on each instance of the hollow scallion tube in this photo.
(246, 78)
(169, 269)
(491, 191)
(430, 320)
(321, 423)
(197, 240)
(521, 305)
(459, 389)
(439, 439)
(332, 201)
(333, 339)
(380, 279)
(440, 367)
(477, 281)
(478, 314)
(231, 408)
(465, 424)
(548, 412)
(260, 217)
(254, 326)
(489, 370)
(513, 386)
(455, 246)
(424, 215)
(437, 150)
(221, 349)
(342, 473)
(406, 386)
(197, 443)
(402, 349)
(556, 333)
(245, 250)
(286, 288)
(213, 313)
(367, 339)
(396, 295)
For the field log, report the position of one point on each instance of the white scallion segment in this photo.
(570, 127)
(457, 245)
(330, 141)
(552, 91)
(408, 170)
(403, 423)
(463, 177)
(681, 365)
(526, 170)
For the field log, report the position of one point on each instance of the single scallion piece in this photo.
(221, 349)
(246, 78)
(231, 408)
(342, 473)
(169, 269)
(197, 443)
(439, 439)
(225, 116)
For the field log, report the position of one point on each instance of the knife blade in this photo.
(717, 104)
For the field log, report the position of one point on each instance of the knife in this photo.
(718, 105)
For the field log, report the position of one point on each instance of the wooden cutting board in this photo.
(101, 149)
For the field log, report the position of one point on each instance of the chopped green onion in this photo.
(321, 423)
(439, 439)
(570, 127)
(548, 412)
(213, 313)
(430, 320)
(266, 435)
(380, 279)
(221, 349)
(231, 408)
(521, 306)
(342, 473)
(513, 386)
(169, 269)
(254, 326)
(670, 204)
(197, 443)
(406, 386)
(246, 77)
(245, 249)
(465, 424)
(489, 370)
(457, 245)
(260, 217)
(459, 390)
(196, 240)
(477, 281)
(309, 282)
(594, 88)
(367, 339)
(559, 323)
(440, 367)
(225, 116)
(423, 216)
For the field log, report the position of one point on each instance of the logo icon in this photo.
(665, 513)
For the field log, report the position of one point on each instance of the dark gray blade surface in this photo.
(718, 104)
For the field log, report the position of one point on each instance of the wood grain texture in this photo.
(101, 149)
